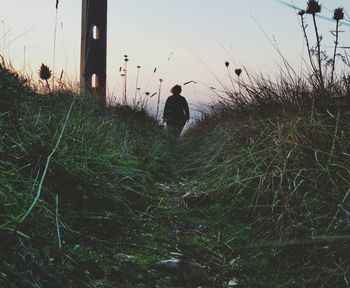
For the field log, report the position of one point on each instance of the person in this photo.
(176, 111)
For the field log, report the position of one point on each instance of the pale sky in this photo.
(195, 34)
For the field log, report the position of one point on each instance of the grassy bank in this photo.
(276, 163)
(73, 175)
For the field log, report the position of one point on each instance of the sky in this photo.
(184, 39)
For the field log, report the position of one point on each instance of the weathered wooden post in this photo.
(93, 56)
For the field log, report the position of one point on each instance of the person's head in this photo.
(176, 90)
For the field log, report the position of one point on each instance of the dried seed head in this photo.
(44, 72)
(338, 14)
(313, 7)
(138, 67)
(227, 63)
(161, 80)
(155, 70)
(301, 13)
(238, 72)
(147, 93)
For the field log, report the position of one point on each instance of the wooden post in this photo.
(93, 56)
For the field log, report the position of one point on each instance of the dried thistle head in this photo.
(227, 63)
(44, 72)
(338, 14)
(301, 13)
(313, 7)
(238, 72)
(138, 67)
(161, 80)
(147, 93)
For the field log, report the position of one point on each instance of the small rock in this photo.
(188, 271)
(232, 283)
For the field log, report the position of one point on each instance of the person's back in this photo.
(176, 111)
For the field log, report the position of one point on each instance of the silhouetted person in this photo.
(176, 111)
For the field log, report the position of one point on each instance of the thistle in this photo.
(126, 60)
(227, 63)
(313, 7)
(238, 72)
(338, 14)
(45, 74)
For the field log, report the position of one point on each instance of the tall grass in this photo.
(273, 165)
(71, 173)
(275, 157)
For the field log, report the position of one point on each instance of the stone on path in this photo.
(184, 271)
(232, 283)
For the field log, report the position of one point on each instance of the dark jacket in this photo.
(176, 111)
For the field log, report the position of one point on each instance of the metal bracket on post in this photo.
(93, 58)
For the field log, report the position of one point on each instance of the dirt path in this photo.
(180, 228)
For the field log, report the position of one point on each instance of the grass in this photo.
(72, 173)
(277, 163)
(257, 190)
(106, 190)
